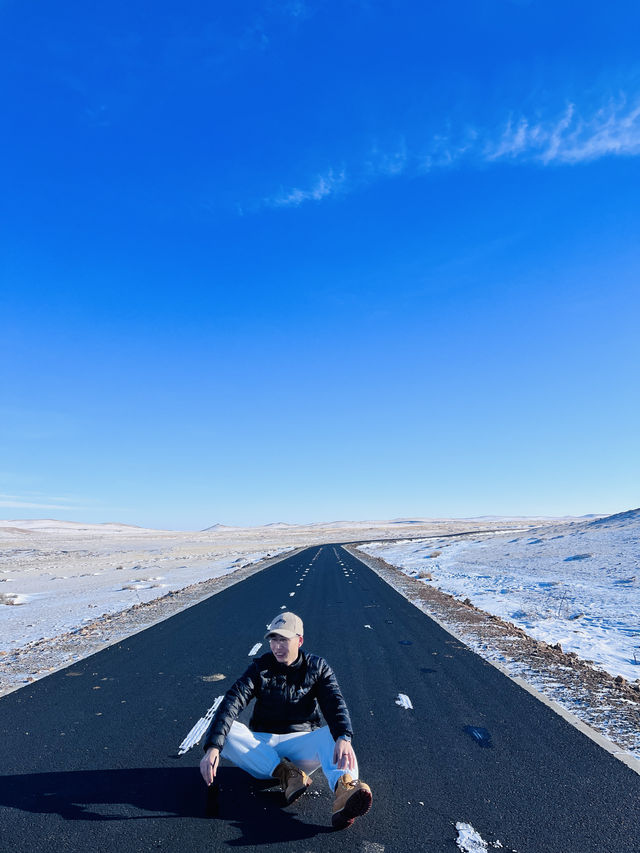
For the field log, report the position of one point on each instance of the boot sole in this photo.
(357, 805)
(297, 794)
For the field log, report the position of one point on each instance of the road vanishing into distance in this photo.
(89, 755)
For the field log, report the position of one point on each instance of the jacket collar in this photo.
(283, 667)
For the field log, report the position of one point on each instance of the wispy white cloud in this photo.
(568, 138)
(612, 130)
(389, 162)
(14, 504)
(38, 501)
(323, 185)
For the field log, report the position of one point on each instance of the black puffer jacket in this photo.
(288, 699)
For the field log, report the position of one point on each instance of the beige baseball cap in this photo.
(287, 625)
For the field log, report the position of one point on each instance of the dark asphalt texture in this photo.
(89, 754)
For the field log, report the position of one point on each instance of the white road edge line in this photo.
(195, 735)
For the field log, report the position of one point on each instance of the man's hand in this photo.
(343, 755)
(209, 764)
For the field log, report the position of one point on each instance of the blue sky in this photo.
(302, 261)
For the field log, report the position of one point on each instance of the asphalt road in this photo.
(89, 761)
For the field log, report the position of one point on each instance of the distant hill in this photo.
(620, 519)
(53, 523)
(410, 521)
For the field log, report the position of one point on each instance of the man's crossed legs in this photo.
(292, 758)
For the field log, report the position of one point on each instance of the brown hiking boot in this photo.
(353, 799)
(294, 781)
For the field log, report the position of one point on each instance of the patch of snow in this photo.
(469, 840)
(404, 702)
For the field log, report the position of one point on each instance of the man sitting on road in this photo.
(286, 738)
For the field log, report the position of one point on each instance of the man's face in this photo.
(284, 650)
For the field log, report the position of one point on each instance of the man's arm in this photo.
(332, 704)
(334, 710)
(343, 754)
(235, 700)
(209, 764)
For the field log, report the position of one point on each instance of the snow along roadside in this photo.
(589, 699)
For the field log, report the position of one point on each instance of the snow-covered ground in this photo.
(57, 576)
(577, 584)
(55, 586)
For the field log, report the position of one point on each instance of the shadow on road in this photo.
(161, 793)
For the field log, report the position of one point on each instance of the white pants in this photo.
(259, 753)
